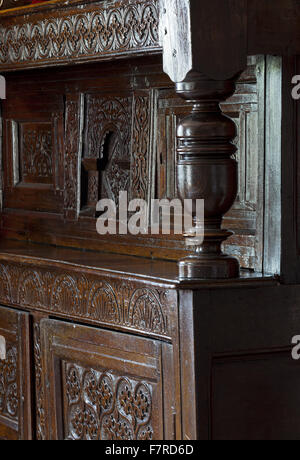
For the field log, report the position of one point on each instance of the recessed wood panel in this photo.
(102, 385)
(33, 151)
(256, 397)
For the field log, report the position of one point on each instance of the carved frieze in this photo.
(100, 30)
(102, 405)
(124, 304)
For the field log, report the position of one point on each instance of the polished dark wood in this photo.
(15, 376)
(242, 381)
(56, 205)
(206, 170)
(122, 337)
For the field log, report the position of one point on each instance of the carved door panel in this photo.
(15, 393)
(102, 385)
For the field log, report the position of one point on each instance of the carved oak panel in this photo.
(33, 148)
(15, 403)
(123, 304)
(117, 147)
(102, 30)
(36, 153)
(105, 405)
(108, 142)
(101, 385)
(72, 136)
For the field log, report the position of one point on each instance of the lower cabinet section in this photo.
(15, 376)
(102, 385)
(62, 381)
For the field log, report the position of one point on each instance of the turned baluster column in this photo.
(207, 170)
(204, 49)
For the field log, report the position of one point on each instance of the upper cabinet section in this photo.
(80, 31)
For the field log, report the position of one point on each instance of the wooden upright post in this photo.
(204, 67)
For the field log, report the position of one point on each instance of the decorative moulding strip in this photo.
(91, 32)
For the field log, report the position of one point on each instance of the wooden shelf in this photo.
(163, 273)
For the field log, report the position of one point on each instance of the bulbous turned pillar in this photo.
(207, 170)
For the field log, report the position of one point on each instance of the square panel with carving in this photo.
(36, 153)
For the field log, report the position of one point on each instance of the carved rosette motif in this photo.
(122, 303)
(39, 389)
(9, 392)
(104, 406)
(109, 29)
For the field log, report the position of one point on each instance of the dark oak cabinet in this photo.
(149, 337)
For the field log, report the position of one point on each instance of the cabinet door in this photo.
(15, 377)
(101, 385)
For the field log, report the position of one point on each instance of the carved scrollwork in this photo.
(84, 424)
(9, 392)
(39, 388)
(103, 405)
(107, 29)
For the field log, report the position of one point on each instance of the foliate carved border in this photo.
(106, 29)
(100, 300)
(72, 155)
(39, 389)
(140, 147)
